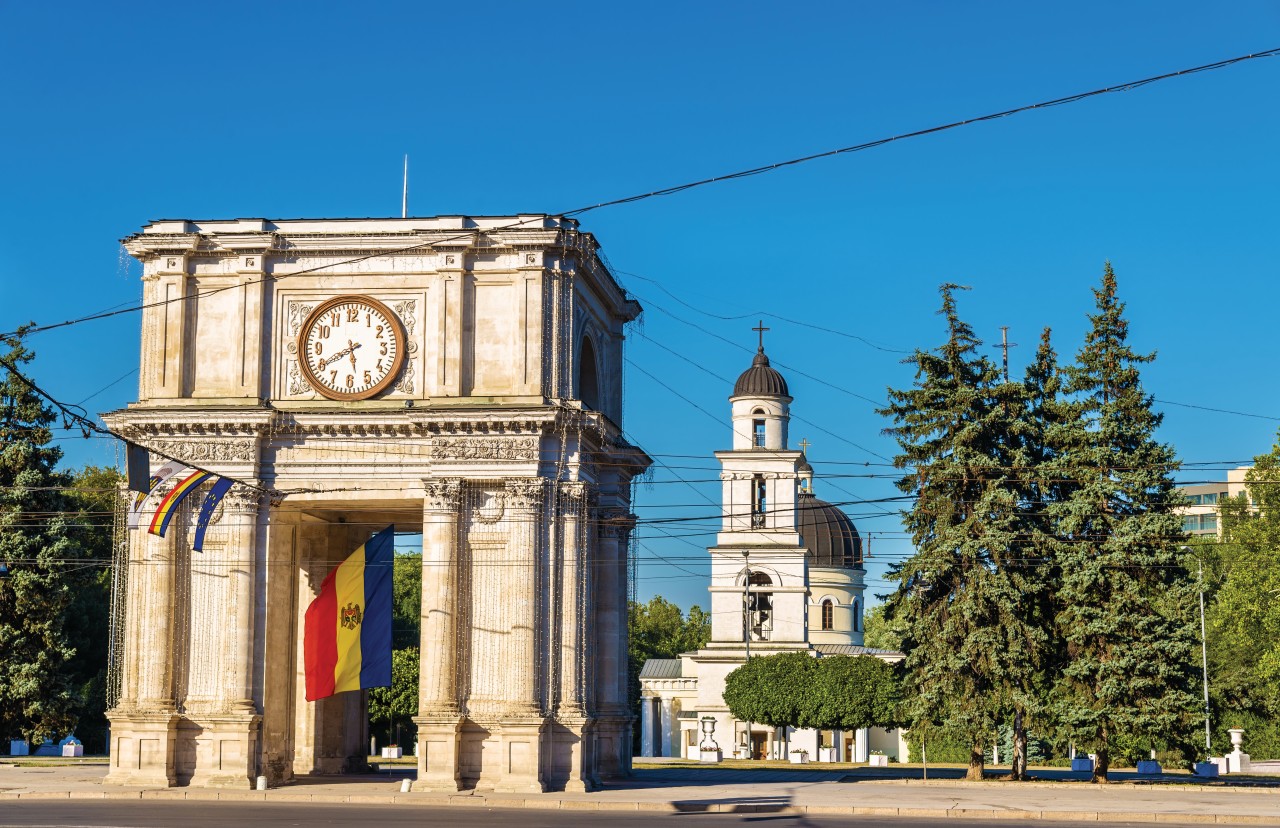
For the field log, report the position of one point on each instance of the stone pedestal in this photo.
(576, 738)
(142, 749)
(520, 756)
(227, 752)
(438, 749)
(613, 747)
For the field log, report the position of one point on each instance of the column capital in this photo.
(441, 494)
(241, 498)
(525, 493)
(615, 522)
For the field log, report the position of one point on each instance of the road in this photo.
(86, 814)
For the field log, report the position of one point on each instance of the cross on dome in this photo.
(760, 329)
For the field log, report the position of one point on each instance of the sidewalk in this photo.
(778, 791)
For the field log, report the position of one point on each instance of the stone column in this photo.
(575, 731)
(521, 728)
(646, 726)
(231, 735)
(669, 726)
(439, 719)
(860, 747)
(609, 634)
(144, 723)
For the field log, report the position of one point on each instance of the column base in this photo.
(439, 740)
(613, 747)
(573, 744)
(520, 755)
(226, 751)
(143, 747)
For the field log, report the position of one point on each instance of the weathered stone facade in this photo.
(500, 441)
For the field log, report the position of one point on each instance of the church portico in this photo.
(467, 413)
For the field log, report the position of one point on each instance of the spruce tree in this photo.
(1127, 602)
(37, 539)
(1044, 415)
(959, 599)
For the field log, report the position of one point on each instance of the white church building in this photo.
(787, 575)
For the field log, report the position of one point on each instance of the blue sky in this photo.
(116, 114)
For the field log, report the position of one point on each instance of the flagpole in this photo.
(404, 196)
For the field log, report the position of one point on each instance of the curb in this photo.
(682, 807)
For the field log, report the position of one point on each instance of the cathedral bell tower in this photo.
(758, 574)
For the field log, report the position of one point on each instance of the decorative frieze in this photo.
(221, 451)
(491, 448)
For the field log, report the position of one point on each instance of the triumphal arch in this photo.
(457, 376)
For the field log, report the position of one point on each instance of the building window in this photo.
(1200, 523)
(757, 428)
(759, 502)
(759, 607)
(828, 614)
(857, 618)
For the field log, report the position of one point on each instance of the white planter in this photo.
(826, 754)
(1149, 767)
(798, 758)
(73, 750)
(1207, 769)
(392, 752)
(878, 761)
(1082, 763)
(710, 757)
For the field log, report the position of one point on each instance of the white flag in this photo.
(157, 477)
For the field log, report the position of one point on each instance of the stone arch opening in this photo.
(588, 378)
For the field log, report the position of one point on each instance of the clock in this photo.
(351, 348)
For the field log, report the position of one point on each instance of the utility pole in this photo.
(1005, 345)
(746, 627)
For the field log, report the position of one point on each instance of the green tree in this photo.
(850, 693)
(971, 648)
(1126, 603)
(397, 704)
(406, 600)
(879, 632)
(772, 690)
(659, 629)
(38, 544)
(93, 494)
(1244, 615)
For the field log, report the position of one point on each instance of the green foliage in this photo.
(406, 600)
(1127, 604)
(939, 748)
(396, 704)
(850, 693)
(38, 537)
(772, 690)
(1244, 616)
(93, 494)
(969, 608)
(879, 632)
(659, 629)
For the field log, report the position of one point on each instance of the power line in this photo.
(679, 188)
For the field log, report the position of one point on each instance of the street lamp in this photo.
(746, 627)
(1204, 655)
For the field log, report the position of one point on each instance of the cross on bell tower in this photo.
(760, 329)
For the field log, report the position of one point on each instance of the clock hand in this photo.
(351, 349)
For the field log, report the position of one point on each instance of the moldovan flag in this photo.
(346, 641)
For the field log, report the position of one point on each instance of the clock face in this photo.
(351, 348)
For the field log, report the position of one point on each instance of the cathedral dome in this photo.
(760, 380)
(828, 535)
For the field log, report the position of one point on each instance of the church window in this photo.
(857, 620)
(759, 607)
(759, 502)
(828, 614)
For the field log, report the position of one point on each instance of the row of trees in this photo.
(1048, 588)
(829, 693)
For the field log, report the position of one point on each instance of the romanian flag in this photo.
(169, 506)
(347, 636)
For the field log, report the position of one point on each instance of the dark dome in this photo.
(760, 380)
(828, 535)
